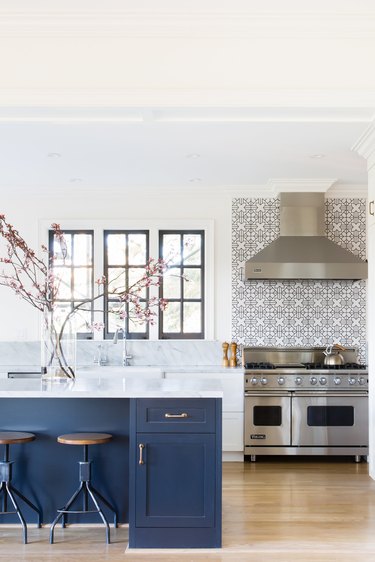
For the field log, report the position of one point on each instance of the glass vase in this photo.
(58, 347)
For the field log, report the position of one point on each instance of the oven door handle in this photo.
(328, 394)
(267, 394)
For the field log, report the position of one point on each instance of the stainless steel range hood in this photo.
(303, 251)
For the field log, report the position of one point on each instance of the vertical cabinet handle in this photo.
(371, 208)
(141, 447)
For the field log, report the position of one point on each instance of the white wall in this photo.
(21, 322)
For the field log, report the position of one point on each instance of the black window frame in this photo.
(129, 335)
(72, 267)
(184, 335)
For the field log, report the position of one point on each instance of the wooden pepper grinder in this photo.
(233, 355)
(225, 347)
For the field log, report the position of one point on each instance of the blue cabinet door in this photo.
(175, 484)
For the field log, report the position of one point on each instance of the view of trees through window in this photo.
(183, 284)
(126, 253)
(125, 258)
(75, 272)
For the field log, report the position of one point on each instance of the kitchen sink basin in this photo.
(120, 371)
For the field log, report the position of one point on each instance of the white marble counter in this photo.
(110, 387)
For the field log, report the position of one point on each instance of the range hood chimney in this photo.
(303, 251)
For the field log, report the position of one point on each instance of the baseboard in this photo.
(233, 456)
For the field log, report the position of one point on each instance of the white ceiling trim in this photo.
(186, 24)
(224, 191)
(365, 145)
(185, 115)
(187, 97)
(344, 191)
(299, 185)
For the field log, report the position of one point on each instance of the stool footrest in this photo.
(7, 512)
(78, 510)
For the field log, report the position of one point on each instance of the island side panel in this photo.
(159, 521)
(47, 472)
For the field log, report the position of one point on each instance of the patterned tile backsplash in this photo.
(297, 312)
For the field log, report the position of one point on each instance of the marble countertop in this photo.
(105, 387)
(132, 370)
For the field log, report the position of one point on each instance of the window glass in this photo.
(183, 284)
(72, 265)
(125, 258)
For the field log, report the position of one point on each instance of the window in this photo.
(184, 315)
(76, 277)
(125, 257)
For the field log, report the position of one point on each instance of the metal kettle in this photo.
(332, 356)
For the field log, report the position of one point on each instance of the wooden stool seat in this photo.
(13, 437)
(84, 438)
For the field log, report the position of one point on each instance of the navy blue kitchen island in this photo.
(161, 471)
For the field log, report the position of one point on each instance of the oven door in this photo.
(267, 419)
(329, 419)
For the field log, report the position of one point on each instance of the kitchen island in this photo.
(171, 499)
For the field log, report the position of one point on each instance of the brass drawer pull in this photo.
(141, 447)
(371, 208)
(183, 415)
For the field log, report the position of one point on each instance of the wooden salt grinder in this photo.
(233, 356)
(225, 347)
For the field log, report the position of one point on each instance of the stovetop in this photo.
(294, 369)
(252, 366)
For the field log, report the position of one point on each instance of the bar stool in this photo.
(11, 438)
(85, 486)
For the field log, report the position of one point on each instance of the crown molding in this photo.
(176, 98)
(198, 191)
(119, 114)
(229, 24)
(300, 185)
(347, 191)
(365, 145)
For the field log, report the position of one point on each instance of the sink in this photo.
(120, 371)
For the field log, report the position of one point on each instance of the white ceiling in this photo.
(177, 149)
(263, 89)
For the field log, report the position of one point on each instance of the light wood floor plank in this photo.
(305, 510)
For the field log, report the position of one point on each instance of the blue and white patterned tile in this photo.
(292, 313)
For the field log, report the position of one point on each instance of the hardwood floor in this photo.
(294, 510)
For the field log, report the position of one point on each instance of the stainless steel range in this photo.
(297, 405)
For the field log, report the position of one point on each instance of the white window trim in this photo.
(153, 226)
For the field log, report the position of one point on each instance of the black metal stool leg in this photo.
(4, 503)
(106, 502)
(19, 514)
(8, 491)
(62, 512)
(104, 519)
(29, 503)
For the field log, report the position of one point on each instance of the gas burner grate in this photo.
(352, 366)
(262, 365)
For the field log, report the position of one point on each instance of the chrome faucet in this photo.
(125, 356)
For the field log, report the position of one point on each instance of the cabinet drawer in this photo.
(193, 415)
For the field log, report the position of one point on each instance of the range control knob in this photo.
(264, 380)
(352, 380)
(281, 380)
(323, 380)
(313, 380)
(362, 380)
(337, 380)
(254, 380)
(298, 380)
